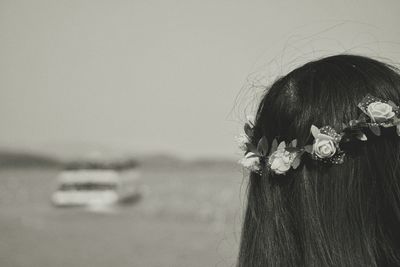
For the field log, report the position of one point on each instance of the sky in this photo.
(172, 77)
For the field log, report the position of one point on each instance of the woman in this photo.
(324, 160)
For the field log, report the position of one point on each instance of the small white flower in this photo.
(379, 111)
(281, 160)
(242, 140)
(250, 161)
(324, 145)
(324, 148)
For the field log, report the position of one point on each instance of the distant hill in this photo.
(170, 162)
(20, 159)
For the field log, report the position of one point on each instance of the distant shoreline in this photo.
(18, 159)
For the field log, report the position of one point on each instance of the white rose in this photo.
(250, 161)
(380, 111)
(281, 160)
(324, 148)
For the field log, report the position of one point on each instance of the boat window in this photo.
(87, 186)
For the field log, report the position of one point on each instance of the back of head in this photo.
(322, 214)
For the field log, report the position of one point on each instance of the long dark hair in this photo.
(320, 214)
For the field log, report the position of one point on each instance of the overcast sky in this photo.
(162, 76)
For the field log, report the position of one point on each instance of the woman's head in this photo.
(323, 214)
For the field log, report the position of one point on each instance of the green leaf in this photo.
(361, 136)
(294, 143)
(314, 130)
(375, 129)
(274, 145)
(248, 130)
(308, 148)
(362, 117)
(251, 148)
(296, 162)
(262, 146)
(291, 149)
(253, 155)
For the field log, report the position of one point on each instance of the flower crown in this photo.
(326, 148)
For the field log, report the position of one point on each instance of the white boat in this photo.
(96, 187)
